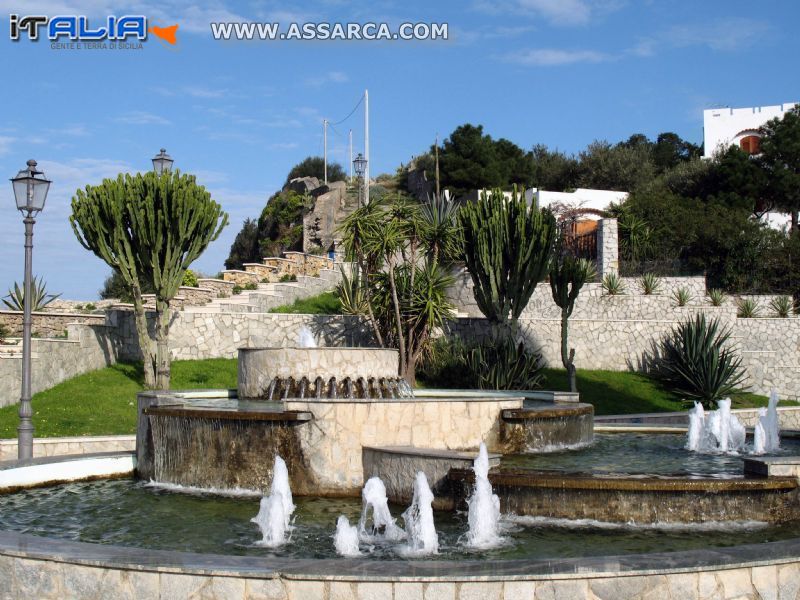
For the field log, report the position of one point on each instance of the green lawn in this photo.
(326, 303)
(104, 402)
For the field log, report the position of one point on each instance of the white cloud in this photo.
(723, 35)
(138, 117)
(5, 144)
(556, 12)
(330, 77)
(553, 57)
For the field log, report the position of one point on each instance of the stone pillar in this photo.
(607, 247)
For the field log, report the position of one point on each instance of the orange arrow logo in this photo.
(165, 33)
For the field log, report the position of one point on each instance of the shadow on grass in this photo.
(133, 371)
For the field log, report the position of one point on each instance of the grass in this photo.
(103, 402)
(326, 303)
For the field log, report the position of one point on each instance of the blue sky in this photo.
(240, 114)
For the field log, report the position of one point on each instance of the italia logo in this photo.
(75, 28)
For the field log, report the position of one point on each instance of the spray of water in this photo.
(422, 536)
(375, 508)
(275, 512)
(484, 506)
(306, 338)
(346, 538)
(720, 431)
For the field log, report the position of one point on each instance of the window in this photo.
(750, 144)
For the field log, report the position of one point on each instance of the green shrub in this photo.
(4, 333)
(695, 363)
(237, 289)
(650, 284)
(39, 296)
(782, 305)
(748, 308)
(716, 297)
(251, 286)
(90, 307)
(326, 303)
(681, 296)
(287, 278)
(495, 363)
(190, 279)
(613, 285)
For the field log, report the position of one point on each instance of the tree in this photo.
(245, 247)
(314, 166)
(149, 228)
(115, 287)
(567, 276)
(507, 248)
(402, 287)
(780, 154)
(621, 167)
(553, 170)
(280, 226)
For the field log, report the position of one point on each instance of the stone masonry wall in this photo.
(46, 324)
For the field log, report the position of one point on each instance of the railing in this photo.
(578, 244)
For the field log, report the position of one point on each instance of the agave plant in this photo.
(39, 296)
(747, 308)
(612, 284)
(500, 363)
(650, 284)
(782, 305)
(696, 363)
(681, 296)
(716, 297)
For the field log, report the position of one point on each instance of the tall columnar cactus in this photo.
(507, 248)
(567, 276)
(149, 228)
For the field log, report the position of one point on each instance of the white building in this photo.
(561, 203)
(723, 127)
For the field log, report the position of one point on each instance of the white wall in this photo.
(725, 126)
(580, 198)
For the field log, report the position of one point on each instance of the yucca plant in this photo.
(681, 296)
(696, 364)
(650, 284)
(782, 305)
(352, 294)
(747, 308)
(500, 363)
(612, 284)
(716, 297)
(39, 296)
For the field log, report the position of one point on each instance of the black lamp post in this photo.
(360, 166)
(30, 192)
(162, 162)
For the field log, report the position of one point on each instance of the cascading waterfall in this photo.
(275, 513)
(346, 538)
(418, 518)
(484, 506)
(720, 430)
(376, 505)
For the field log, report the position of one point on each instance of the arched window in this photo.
(750, 144)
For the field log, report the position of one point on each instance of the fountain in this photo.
(484, 506)
(275, 513)
(721, 431)
(375, 507)
(345, 540)
(422, 536)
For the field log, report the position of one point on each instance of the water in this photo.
(130, 513)
(345, 540)
(306, 338)
(422, 536)
(275, 512)
(376, 523)
(375, 388)
(641, 454)
(484, 506)
(720, 430)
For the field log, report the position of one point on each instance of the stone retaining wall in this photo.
(43, 447)
(87, 348)
(47, 324)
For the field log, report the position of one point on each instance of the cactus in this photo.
(507, 248)
(148, 228)
(567, 277)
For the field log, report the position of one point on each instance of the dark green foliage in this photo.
(681, 296)
(471, 160)
(114, 286)
(780, 147)
(15, 300)
(245, 247)
(314, 166)
(620, 167)
(782, 306)
(250, 286)
(497, 362)
(747, 308)
(286, 278)
(507, 249)
(280, 226)
(554, 171)
(4, 332)
(696, 363)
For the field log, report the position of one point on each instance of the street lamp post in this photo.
(360, 166)
(162, 162)
(30, 192)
